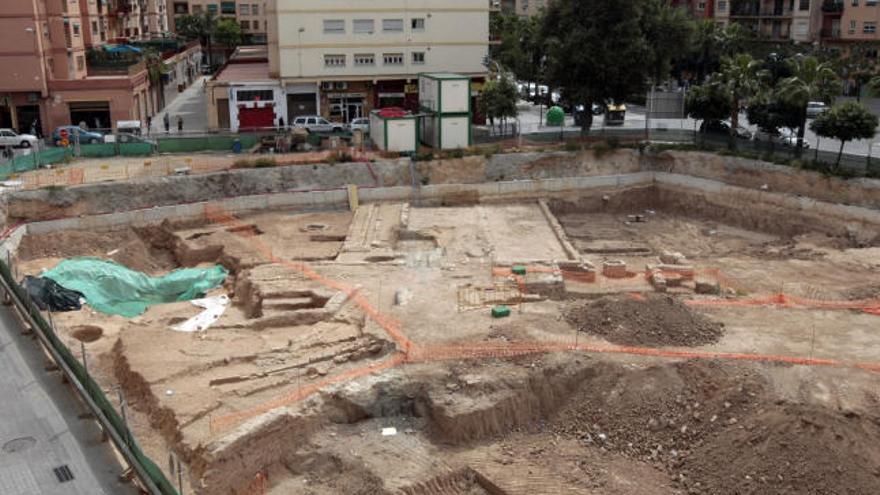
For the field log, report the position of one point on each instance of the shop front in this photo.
(397, 93)
(345, 101)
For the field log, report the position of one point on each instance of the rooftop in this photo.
(244, 72)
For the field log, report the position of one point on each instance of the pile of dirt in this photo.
(123, 246)
(790, 449)
(656, 320)
(661, 413)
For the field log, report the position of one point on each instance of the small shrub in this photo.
(54, 189)
(456, 153)
(423, 157)
(265, 162)
(425, 180)
(573, 146)
(601, 149)
(242, 163)
(613, 142)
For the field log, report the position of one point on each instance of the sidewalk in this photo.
(192, 105)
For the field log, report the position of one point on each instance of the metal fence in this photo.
(112, 421)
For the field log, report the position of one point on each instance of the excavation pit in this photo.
(572, 393)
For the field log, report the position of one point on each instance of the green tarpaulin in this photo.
(114, 289)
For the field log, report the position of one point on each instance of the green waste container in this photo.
(518, 269)
(500, 311)
(555, 116)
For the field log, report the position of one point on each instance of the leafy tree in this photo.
(521, 49)
(155, 70)
(198, 27)
(811, 80)
(769, 113)
(668, 29)
(498, 100)
(845, 122)
(596, 50)
(228, 33)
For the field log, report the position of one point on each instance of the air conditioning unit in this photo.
(327, 85)
(342, 85)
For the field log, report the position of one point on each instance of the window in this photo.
(197, 9)
(722, 5)
(244, 9)
(418, 57)
(364, 26)
(334, 26)
(255, 9)
(94, 27)
(418, 24)
(701, 6)
(183, 8)
(334, 60)
(227, 7)
(392, 25)
(80, 62)
(245, 24)
(255, 95)
(212, 8)
(393, 58)
(871, 3)
(869, 27)
(805, 5)
(75, 29)
(852, 27)
(855, 3)
(364, 59)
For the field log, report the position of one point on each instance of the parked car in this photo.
(90, 137)
(8, 137)
(723, 127)
(815, 108)
(315, 123)
(124, 137)
(783, 137)
(359, 124)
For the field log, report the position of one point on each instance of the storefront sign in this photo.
(392, 95)
(411, 88)
(346, 95)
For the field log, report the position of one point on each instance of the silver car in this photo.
(815, 108)
(360, 124)
(8, 137)
(315, 123)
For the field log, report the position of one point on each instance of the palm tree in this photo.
(740, 81)
(155, 70)
(811, 81)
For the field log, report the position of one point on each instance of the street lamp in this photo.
(299, 52)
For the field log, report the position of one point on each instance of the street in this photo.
(529, 117)
(192, 105)
(37, 437)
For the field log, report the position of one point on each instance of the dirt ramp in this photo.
(655, 320)
(790, 450)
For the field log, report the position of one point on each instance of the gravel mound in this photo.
(656, 320)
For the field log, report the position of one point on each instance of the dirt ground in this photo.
(342, 325)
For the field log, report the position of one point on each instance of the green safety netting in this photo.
(114, 289)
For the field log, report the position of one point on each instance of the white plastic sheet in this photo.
(214, 309)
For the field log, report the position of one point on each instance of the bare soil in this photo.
(655, 320)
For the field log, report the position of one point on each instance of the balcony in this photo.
(832, 7)
(757, 9)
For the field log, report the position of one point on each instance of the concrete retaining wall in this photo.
(756, 174)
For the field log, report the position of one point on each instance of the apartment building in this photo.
(342, 59)
(768, 19)
(859, 20)
(251, 15)
(137, 19)
(699, 9)
(46, 81)
(522, 8)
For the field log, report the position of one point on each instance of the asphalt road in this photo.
(41, 429)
